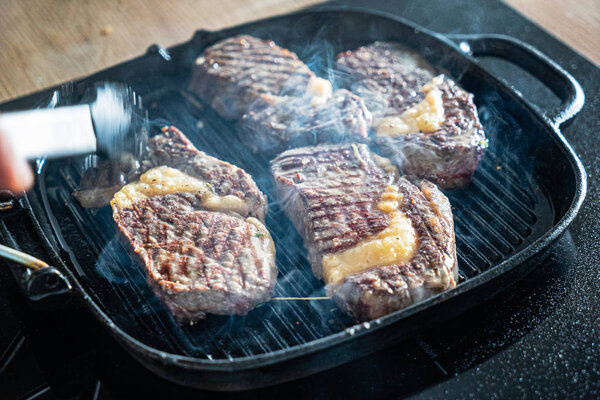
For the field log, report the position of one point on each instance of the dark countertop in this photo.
(538, 339)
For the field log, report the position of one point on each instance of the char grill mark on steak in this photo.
(387, 75)
(433, 269)
(200, 261)
(243, 71)
(460, 112)
(332, 194)
(294, 122)
(279, 101)
(187, 223)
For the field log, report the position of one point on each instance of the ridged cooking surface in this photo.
(495, 216)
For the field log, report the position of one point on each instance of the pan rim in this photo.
(273, 357)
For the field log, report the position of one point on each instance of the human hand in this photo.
(15, 172)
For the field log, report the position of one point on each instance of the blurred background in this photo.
(47, 42)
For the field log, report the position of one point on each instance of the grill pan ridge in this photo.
(504, 220)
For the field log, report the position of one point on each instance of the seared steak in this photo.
(243, 73)
(194, 222)
(446, 153)
(193, 225)
(199, 261)
(279, 100)
(428, 126)
(379, 241)
(387, 75)
(172, 148)
(294, 122)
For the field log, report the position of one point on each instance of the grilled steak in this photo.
(294, 122)
(446, 153)
(172, 148)
(387, 75)
(379, 241)
(242, 73)
(194, 222)
(279, 100)
(199, 261)
(428, 126)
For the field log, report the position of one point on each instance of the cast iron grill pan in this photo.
(503, 220)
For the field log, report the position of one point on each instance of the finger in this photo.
(15, 172)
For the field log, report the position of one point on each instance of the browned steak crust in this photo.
(387, 75)
(243, 72)
(382, 290)
(173, 149)
(331, 195)
(200, 261)
(294, 122)
(279, 101)
(448, 156)
(390, 77)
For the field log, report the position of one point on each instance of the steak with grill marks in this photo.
(194, 222)
(379, 241)
(387, 75)
(199, 261)
(173, 149)
(427, 125)
(242, 73)
(447, 154)
(294, 122)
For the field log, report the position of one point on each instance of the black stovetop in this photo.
(538, 339)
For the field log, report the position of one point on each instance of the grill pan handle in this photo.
(37, 279)
(533, 61)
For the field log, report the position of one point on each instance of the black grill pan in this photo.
(527, 189)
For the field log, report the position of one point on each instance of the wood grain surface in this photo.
(45, 42)
(575, 22)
